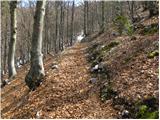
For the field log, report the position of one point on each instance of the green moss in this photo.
(108, 47)
(151, 29)
(144, 113)
(122, 24)
(153, 54)
(147, 109)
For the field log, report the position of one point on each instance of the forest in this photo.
(79, 59)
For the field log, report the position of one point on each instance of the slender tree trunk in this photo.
(132, 11)
(12, 44)
(56, 30)
(36, 72)
(5, 47)
(63, 22)
(68, 24)
(72, 23)
(103, 18)
(85, 20)
(92, 21)
(60, 27)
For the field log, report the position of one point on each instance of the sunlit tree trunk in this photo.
(36, 72)
(12, 44)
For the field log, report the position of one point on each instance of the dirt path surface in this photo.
(65, 93)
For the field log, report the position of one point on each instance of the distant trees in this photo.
(12, 45)
(36, 72)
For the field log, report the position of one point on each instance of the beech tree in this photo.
(36, 72)
(12, 43)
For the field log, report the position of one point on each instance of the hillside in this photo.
(79, 59)
(105, 77)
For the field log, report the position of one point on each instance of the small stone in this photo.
(133, 38)
(93, 80)
(54, 67)
(125, 114)
(7, 81)
(96, 67)
(39, 114)
(119, 107)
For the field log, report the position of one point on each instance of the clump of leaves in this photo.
(153, 54)
(106, 93)
(122, 24)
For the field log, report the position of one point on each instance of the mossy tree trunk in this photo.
(12, 43)
(36, 72)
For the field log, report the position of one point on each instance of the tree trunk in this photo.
(68, 24)
(12, 44)
(87, 22)
(5, 47)
(63, 23)
(85, 18)
(72, 24)
(103, 18)
(36, 72)
(60, 27)
(56, 29)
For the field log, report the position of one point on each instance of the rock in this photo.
(54, 66)
(119, 107)
(7, 81)
(115, 34)
(95, 68)
(39, 114)
(133, 38)
(125, 114)
(93, 80)
(99, 68)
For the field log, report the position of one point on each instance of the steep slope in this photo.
(105, 77)
(65, 93)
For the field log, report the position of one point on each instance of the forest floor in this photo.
(65, 93)
(70, 91)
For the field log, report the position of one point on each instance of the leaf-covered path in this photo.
(65, 93)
